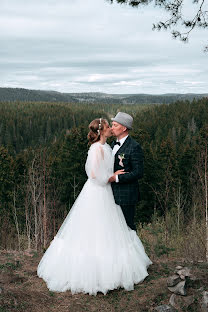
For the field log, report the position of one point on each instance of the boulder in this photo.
(181, 302)
(173, 280)
(179, 289)
(204, 301)
(184, 272)
(165, 308)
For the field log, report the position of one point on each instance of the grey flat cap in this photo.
(124, 119)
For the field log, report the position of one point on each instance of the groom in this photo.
(129, 157)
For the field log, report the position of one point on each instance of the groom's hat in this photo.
(124, 119)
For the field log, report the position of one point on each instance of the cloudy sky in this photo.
(93, 46)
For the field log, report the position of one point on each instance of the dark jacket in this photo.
(126, 191)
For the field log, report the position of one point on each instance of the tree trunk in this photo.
(44, 205)
(15, 218)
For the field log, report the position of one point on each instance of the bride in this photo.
(94, 250)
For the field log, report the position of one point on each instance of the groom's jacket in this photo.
(130, 155)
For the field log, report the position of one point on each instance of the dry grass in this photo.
(162, 238)
(22, 290)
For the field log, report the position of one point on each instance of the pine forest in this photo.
(43, 149)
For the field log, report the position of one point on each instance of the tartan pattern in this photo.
(126, 191)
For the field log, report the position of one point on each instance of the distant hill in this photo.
(25, 95)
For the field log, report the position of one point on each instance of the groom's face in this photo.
(117, 129)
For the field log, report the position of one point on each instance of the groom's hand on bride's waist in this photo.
(113, 177)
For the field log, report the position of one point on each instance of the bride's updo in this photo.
(96, 126)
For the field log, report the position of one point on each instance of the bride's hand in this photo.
(121, 171)
(113, 178)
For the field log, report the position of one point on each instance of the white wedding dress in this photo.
(94, 250)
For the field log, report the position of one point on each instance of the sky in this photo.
(94, 46)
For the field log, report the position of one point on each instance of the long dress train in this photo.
(94, 250)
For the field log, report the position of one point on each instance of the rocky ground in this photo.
(21, 289)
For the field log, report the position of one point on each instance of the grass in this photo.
(24, 291)
(10, 266)
(2, 309)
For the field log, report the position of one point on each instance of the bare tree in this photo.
(37, 201)
(35, 186)
(45, 236)
(180, 201)
(28, 218)
(74, 186)
(162, 192)
(15, 217)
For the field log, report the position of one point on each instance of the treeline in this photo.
(174, 138)
(39, 185)
(35, 124)
(24, 125)
(26, 95)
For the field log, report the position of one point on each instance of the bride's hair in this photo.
(96, 126)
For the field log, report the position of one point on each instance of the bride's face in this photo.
(107, 132)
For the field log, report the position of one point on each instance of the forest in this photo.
(27, 95)
(43, 148)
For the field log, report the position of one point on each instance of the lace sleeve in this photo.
(96, 165)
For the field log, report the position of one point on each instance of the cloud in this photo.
(80, 46)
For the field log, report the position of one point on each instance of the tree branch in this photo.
(175, 9)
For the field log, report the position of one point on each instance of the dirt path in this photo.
(21, 289)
